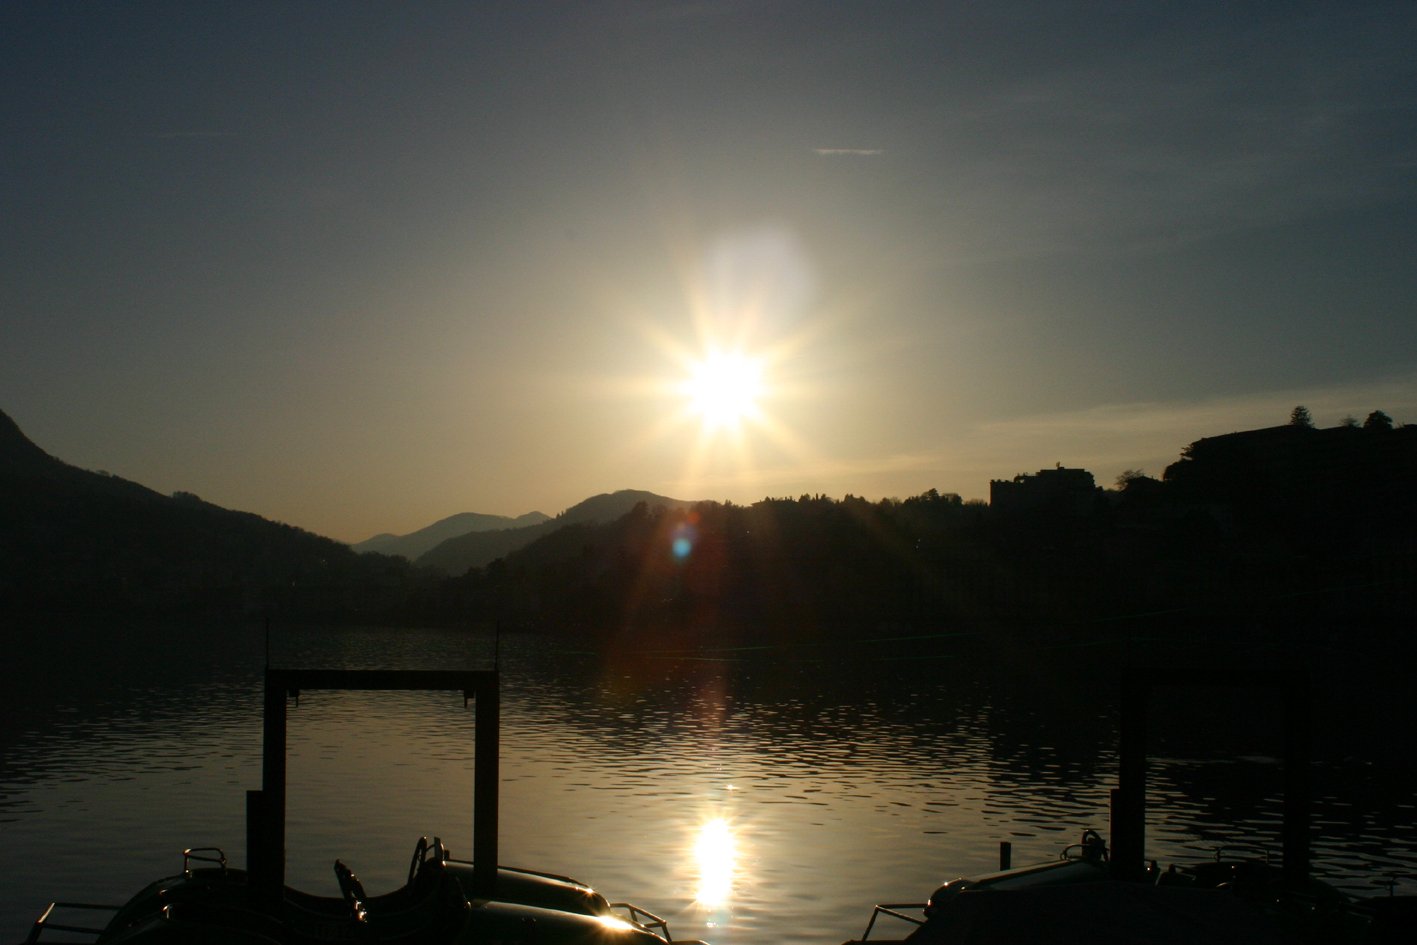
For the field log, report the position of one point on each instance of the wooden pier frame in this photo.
(1129, 798)
(265, 809)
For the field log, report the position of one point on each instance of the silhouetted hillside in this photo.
(1286, 539)
(27, 466)
(477, 549)
(1314, 487)
(414, 544)
(18, 455)
(1282, 540)
(81, 541)
(728, 574)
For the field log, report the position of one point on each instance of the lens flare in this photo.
(715, 851)
(685, 536)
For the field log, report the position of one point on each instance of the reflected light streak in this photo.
(715, 851)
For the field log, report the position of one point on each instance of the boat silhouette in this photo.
(445, 900)
(1098, 892)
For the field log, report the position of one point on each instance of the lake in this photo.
(746, 795)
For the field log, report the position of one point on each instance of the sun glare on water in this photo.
(715, 851)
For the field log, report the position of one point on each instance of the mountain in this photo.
(78, 541)
(18, 455)
(476, 549)
(414, 544)
(22, 462)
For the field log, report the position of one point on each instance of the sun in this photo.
(723, 389)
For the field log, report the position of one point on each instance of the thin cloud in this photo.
(175, 135)
(849, 152)
(1329, 405)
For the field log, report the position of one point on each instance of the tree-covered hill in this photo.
(1283, 532)
(78, 541)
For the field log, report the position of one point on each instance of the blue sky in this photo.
(357, 266)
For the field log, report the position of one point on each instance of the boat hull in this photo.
(214, 905)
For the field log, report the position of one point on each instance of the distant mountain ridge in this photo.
(416, 543)
(72, 540)
(477, 549)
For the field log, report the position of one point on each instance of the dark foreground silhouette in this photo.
(1282, 535)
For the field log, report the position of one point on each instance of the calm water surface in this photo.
(747, 797)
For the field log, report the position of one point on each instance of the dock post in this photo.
(486, 781)
(1297, 792)
(265, 809)
(1129, 799)
(1006, 854)
(255, 847)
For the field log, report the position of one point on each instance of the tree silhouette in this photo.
(1127, 476)
(1300, 417)
(1377, 420)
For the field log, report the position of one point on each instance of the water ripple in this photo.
(840, 792)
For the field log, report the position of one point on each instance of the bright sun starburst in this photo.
(735, 373)
(723, 389)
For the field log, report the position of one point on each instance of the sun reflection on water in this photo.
(715, 850)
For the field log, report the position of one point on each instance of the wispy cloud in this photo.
(1329, 405)
(849, 152)
(177, 135)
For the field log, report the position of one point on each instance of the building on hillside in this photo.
(1059, 491)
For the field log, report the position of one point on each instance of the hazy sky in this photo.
(358, 266)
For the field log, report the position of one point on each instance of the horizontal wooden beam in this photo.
(465, 680)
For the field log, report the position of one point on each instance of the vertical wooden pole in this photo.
(1296, 785)
(1129, 800)
(268, 883)
(485, 786)
(256, 853)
